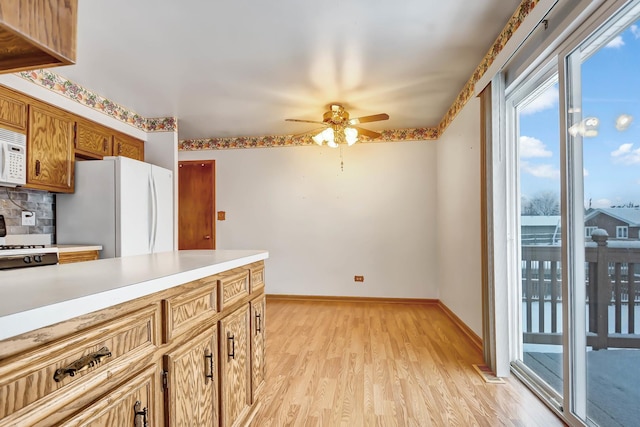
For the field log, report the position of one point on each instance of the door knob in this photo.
(207, 237)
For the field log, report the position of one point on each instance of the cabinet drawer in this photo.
(188, 309)
(55, 379)
(233, 287)
(257, 278)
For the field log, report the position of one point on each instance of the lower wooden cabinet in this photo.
(134, 404)
(191, 391)
(258, 340)
(234, 366)
(78, 256)
(165, 359)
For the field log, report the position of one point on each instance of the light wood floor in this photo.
(370, 364)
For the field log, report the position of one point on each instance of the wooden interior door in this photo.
(196, 204)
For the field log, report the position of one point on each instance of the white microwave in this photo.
(13, 158)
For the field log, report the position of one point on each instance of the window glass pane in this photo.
(540, 242)
(607, 88)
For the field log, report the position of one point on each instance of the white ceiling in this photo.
(240, 67)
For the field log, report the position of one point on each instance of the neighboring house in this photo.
(540, 229)
(620, 223)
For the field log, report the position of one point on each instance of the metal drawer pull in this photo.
(210, 374)
(137, 413)
(88, 361)
(37, 167)
(233, 346)
(258, 323)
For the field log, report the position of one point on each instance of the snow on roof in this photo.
(628, 215)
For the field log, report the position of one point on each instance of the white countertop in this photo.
(31, 298)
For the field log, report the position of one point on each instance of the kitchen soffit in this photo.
(240, 68)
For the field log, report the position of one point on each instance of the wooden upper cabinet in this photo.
(50, 156)
(13, 110)
(128, 146)
(93, 141)
(37, 34)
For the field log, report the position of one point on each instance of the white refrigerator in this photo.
(122, 204)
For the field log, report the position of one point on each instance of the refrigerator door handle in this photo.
(151, 212)
(155, 213)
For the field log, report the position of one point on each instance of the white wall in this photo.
(458, 217)
(322, 226)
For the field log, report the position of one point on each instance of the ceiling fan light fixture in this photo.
(340, 129)
(351, 135)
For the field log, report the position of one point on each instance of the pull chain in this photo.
(341, 161)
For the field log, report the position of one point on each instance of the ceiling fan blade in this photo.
(312, 131)
(367, 119)
(304, 121)
(367, 132)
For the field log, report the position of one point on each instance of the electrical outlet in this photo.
(358, 278)
(28, 218)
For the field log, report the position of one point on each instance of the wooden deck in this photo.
(374, 364)
(613, 383)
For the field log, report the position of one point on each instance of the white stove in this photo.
(27, 252)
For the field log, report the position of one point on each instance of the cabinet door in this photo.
(50, 157)
(133, 404)
(258, 309)
(234, 372)
(92, 140)
(127, 146)
(13, 110)
(192, 382)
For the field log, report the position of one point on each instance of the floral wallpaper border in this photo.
(392, 135)
(75, 92)
(79, 94)
(507, 32)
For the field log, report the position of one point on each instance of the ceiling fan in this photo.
(339, 128)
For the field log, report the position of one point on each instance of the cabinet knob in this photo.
(258, 323)
(210, 374)
(105, 145)
(140, 413)
(119, 148)
(232, 338)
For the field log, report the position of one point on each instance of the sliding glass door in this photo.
(573, 144)
(603, 104)
(536, 153)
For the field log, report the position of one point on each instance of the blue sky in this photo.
(610, 89)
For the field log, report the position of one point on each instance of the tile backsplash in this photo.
(40, 202)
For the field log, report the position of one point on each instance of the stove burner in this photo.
(13, 247)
